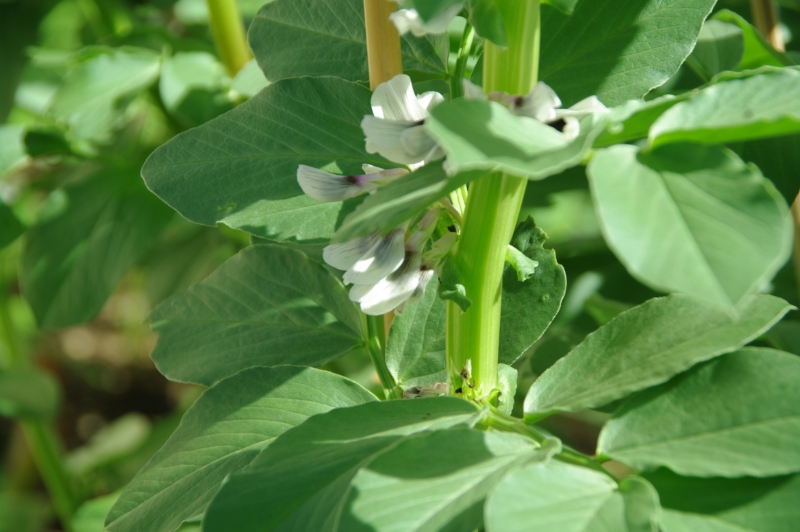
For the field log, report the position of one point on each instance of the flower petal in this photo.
(541, 103)
(384, 137)
(406, 20)
(343, 256)
(384, 257)
(395, 100)
(417, 144)
(472, 91)
(327, 187)
(388, 293)
(429, 100)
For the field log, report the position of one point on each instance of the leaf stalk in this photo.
(228, 30)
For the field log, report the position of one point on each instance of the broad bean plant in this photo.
(383, 181)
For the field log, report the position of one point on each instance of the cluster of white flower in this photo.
(387, 271)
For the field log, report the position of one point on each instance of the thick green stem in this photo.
(228, 30)
(42, 441)
(374, 331)
(491, 214)
(456, 87)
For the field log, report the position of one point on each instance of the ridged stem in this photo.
(491, 214)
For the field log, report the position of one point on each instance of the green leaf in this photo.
(10, 226)
(429, 9)
(293, 38)
(91, 514)
(727, 505)
(754, 107)
(451, 286)
(664, 212)
(415, 348)
(632, 119)
(29, 394)
(240, 169)
(268, 305)
(557, 497)
(302, 479)
(720, 47)
(401, 200)
(617, 49)
(522, 264)
(193, 86)
(219, 435)
(565, 6)
(615, 361)
(735, 416)
(94, 94)
(249, 80)
(778, 158)
(529, 307)
(482, 135)
(757, 51)
(436, 481)
(73, 260)
(487, 19)
(12, 146)
(118, 440)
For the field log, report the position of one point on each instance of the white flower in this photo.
(406, 20)
(543, 104)
(368, 259)
(407, 282)
(396, 130)
(327, 187)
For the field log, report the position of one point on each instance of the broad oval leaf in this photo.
(617, 49)
(292, 38)
(10, 226)
(415, 348)
(302, 480)
(665, 212)
(435, 481)
(269, 305)
(240, 169)
(219, 435)
(735, 416)
(778, 158)
(614, 361)
(482, 135)
(557, 497)
(753, 107)
(529, 307)
(727, 504)
(96, 231)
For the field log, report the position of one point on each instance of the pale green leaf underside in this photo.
(738, 415)
(293, 38)
(556, 497)
(617, 49)
(240, 169)
(765, 105)
(268, 305)
(614, 361)
(482, 135)
(718, 504)
(665, 212)
(302, 480)
(219, 435)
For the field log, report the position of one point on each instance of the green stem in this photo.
(375, 333)
(42, 441)
(47, 456)
(229, 37)
(491, 214)
(456, 88)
